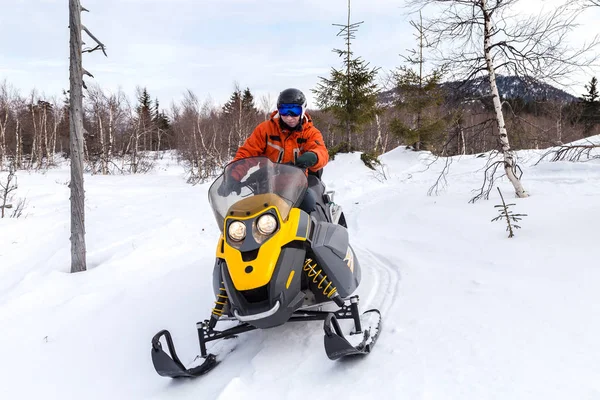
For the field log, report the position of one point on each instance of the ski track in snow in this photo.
(382, 291)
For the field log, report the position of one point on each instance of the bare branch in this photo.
(441, 182)
(533, 46)
(100, 45)
(488, 182)
(572, 153)
(586, 3)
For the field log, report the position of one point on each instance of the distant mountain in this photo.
(510, 87)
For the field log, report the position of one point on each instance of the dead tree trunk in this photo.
(76, 142)
(78, 260)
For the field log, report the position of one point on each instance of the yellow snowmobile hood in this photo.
(293, 224)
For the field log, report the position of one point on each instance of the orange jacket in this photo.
(283, 146)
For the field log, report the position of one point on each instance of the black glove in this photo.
(228, 186)
(306, 160)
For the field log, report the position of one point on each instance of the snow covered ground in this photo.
(468, 313)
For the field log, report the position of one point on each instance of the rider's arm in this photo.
(316, 144)
(254, 146)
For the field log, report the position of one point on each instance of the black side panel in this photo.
(332, 252)
(291, 258)
(357, 270)
(320, 212)
(217, 276)
(332, 236)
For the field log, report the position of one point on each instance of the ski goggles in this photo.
(293, 110)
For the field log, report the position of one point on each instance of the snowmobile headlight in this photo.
(266, 224)
(237, 231)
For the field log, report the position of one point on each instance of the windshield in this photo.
(256, 177)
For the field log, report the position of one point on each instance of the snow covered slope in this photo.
(468, 313)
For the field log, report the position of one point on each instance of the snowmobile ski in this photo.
(337, 345)
(171, 366)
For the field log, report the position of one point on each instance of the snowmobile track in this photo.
(385, 285)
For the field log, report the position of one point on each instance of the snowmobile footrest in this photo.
(170, 365)
(336, 344)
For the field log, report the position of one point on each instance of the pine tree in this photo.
(419, 96)
(233, 104)
(161, 123)
(240, 116)
(592, 95)
(144, 117)
(590, 102)
(248, 101)
(145, 104)
(350, 94)
(507, 215)
(240, 103)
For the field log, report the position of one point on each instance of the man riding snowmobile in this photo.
(287, 137)
(284, 247)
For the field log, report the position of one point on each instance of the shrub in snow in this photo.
(8, 185)
(508, 215)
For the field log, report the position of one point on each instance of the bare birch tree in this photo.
(76, 71)
(58, 113)
(197, 139)
(97, 103)
(19, 107)
(4, 118)
(266, 105)
(482, 37)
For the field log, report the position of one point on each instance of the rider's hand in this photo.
(228, 186)
(306, 160)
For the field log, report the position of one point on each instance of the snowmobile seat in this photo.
(318, 173)
(317, 185)
(318, 188)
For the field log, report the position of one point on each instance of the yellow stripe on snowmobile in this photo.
(289, 281)
(264, 264)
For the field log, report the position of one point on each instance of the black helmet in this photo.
(292, 96)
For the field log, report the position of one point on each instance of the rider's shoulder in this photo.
(264, 126)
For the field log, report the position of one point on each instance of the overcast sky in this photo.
(169, 46)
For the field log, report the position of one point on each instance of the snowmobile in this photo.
(276, 263)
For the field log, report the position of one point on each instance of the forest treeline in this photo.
(35, 129)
